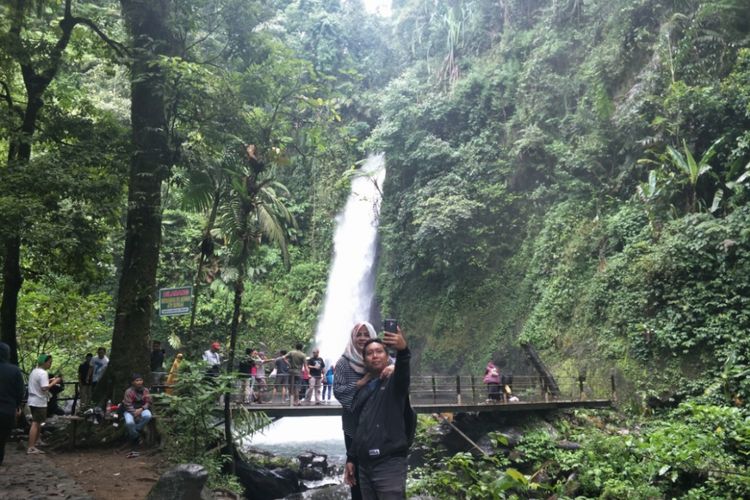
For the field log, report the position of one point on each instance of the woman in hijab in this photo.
(349, 376)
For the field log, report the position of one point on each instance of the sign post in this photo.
(175, 301)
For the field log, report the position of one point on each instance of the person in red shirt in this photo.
(136, 404)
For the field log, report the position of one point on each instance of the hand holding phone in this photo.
(395, 340)
(390, 325)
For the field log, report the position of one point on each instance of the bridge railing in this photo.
(469, 389)
(425, 389)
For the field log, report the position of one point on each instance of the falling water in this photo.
(351, 282)
(349, 299)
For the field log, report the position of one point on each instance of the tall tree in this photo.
(38, 55)
(151, 39)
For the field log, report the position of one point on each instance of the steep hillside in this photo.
(572, 174)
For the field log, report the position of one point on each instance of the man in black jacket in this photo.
(11, 396)
(385, 423)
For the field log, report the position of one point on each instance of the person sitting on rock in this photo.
(136, 405)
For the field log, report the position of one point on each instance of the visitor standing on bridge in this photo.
(212, 356)
(328, 385)
(245, 369)
(492, 380)
(349, 376)
(315, 365)
(386, 422)
(296, 359)
(282, 377)
(259, 360)
(11, 396)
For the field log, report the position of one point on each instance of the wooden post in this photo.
(542, 388)
(614, 388)
(434, 390)
(75, 402)
(458, 389)
(473, 390)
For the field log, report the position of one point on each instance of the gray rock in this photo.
(568, 445)
(184, 482)
(311, 474)
(263, 484)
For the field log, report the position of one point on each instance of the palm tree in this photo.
(254, 209)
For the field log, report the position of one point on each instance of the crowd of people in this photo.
(289, 377)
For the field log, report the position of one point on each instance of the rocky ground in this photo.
(87, 474)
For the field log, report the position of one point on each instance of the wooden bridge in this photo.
(460, 394)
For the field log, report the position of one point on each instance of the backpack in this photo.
(245, 365)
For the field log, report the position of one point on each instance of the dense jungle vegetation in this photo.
(569, 173)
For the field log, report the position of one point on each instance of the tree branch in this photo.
(9, 99)
(120, 49)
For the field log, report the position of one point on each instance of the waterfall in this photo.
(351, 283)
(349, 298)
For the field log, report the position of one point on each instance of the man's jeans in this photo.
(134, 428)
(384, 481)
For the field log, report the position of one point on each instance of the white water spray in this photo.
(351, 282)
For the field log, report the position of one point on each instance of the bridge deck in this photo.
(278, 410)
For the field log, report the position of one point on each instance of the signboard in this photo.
(175, 301)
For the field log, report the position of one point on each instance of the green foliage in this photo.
(465, 476)
(699, 451)
(696, 451)
(46, 324)
(192, 426)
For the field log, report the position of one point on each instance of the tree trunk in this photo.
(239, 289)
(12, 280)
(147, 23)
(206, 252)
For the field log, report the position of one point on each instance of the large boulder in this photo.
(183, 482)
(260, 483)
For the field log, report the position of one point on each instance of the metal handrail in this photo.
(460, 389)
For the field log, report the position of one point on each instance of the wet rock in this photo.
(312, 466)
(311, 474)
(305, 459)
(183, 482)
(261, 484)
(487, 445)
(331, 492)
(320, 462)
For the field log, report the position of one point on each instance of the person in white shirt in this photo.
(39, 385)
(98, 365)
(213, 358)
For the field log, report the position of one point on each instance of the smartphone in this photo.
(390, 325)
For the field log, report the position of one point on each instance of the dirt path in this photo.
(107, 473)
